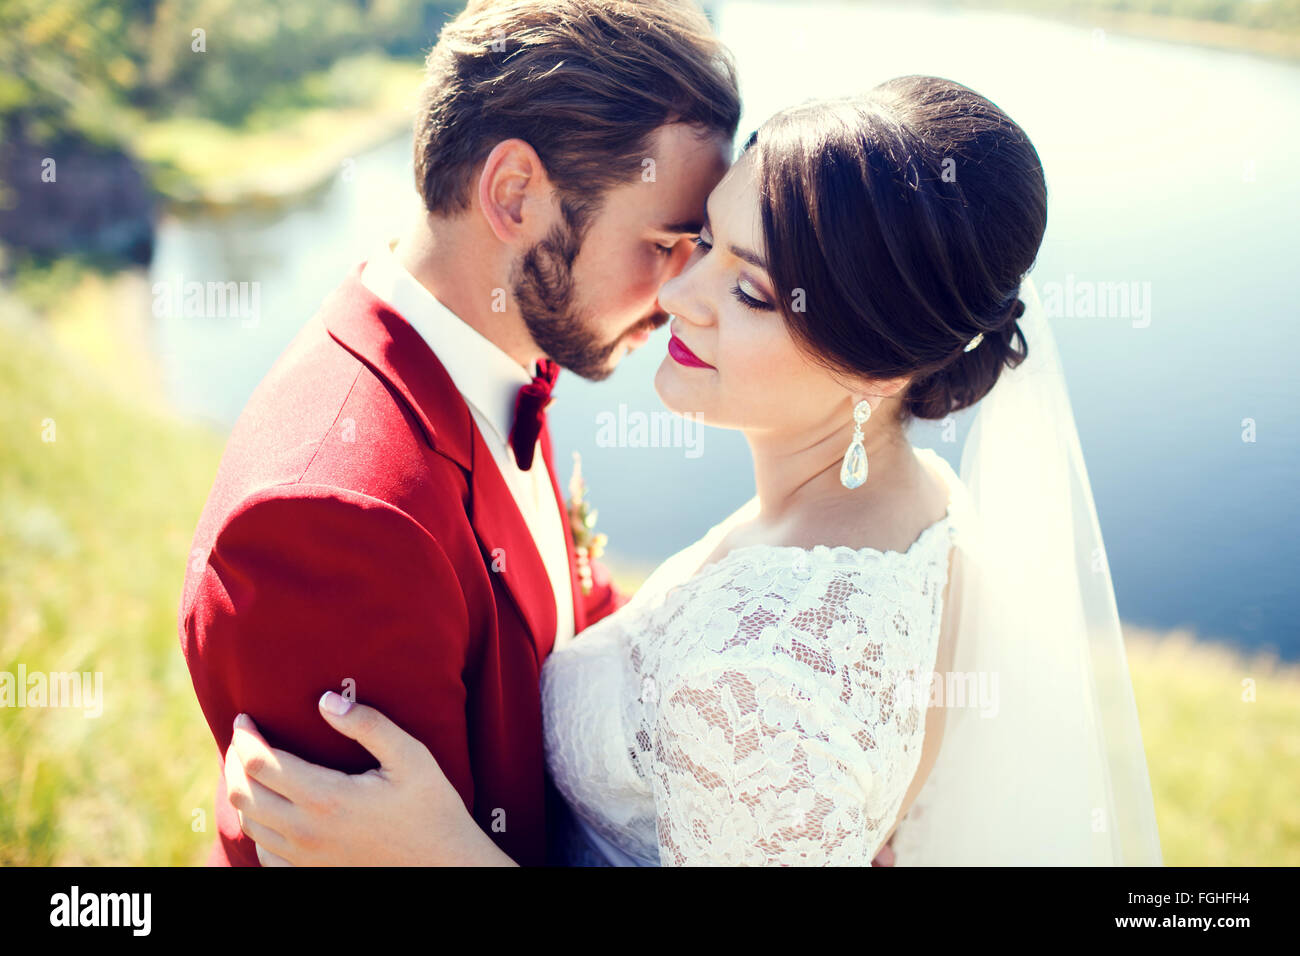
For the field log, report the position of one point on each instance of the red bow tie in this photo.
(530, 412)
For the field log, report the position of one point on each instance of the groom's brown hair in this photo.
(584, 82)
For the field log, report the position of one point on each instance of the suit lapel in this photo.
(369, 329)
(510, 550)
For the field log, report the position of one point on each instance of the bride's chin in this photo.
(681, 396)
(677, 395)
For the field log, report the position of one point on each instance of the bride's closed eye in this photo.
(751, 299)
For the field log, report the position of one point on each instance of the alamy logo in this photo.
(638, 429)
(84, 690)
(102, 909)
(176, 298)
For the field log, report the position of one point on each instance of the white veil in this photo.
(1042, 761)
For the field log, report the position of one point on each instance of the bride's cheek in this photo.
(751, 379)
(766, 362)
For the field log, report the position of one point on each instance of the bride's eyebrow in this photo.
(753, 258)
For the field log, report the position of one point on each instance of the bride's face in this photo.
(740, 367)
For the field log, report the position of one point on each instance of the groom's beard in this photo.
(543, 289)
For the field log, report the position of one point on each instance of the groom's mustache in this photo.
(656, 321)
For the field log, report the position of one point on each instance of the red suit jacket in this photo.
(350, 541)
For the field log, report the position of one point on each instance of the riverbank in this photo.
(280, 156)
(198, 167)
(1210, 34)
(1226, 37)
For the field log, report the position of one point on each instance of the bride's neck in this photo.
(795, 472)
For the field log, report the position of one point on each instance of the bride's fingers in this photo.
(393, 747)
(269, 840)
(267, 858)
(254, 802)
(298, 780)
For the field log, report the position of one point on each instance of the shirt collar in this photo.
(487, 377)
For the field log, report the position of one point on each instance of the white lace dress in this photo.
(749, 711)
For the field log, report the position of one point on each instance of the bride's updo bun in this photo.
(971, 375)
(899, 225)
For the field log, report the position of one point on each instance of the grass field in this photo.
(95, 525)
(1225, 770)
(94, 531)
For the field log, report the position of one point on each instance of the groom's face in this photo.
(589, 302)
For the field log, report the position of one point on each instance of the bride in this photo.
(873, 649)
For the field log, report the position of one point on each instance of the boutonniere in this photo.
(588, 544)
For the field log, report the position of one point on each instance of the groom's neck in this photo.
(468, 270)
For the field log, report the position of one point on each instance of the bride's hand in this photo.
(405, 812)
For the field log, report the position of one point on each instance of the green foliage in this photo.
(92, 65)
(41, 282)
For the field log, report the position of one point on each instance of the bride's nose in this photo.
(681, 297)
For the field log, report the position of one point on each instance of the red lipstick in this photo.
(684, 356)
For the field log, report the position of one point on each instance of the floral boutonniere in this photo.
(588, 545)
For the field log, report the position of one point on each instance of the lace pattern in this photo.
(768, 708)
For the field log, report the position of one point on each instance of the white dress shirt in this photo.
(489, 380)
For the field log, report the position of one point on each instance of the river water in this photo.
(1169, 170)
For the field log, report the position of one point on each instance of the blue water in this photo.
(1168, 167)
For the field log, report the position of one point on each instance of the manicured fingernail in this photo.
(336, 704)
(241, 720)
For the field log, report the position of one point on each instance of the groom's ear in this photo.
(514, 193)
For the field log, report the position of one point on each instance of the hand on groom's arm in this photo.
(308, 590)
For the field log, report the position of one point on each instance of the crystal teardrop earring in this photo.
(854, 470)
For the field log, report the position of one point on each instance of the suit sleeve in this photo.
(315, 589)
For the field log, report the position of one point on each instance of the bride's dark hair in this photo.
(898, 225)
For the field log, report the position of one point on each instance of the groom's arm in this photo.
(314, 589)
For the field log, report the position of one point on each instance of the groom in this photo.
(386, 521)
